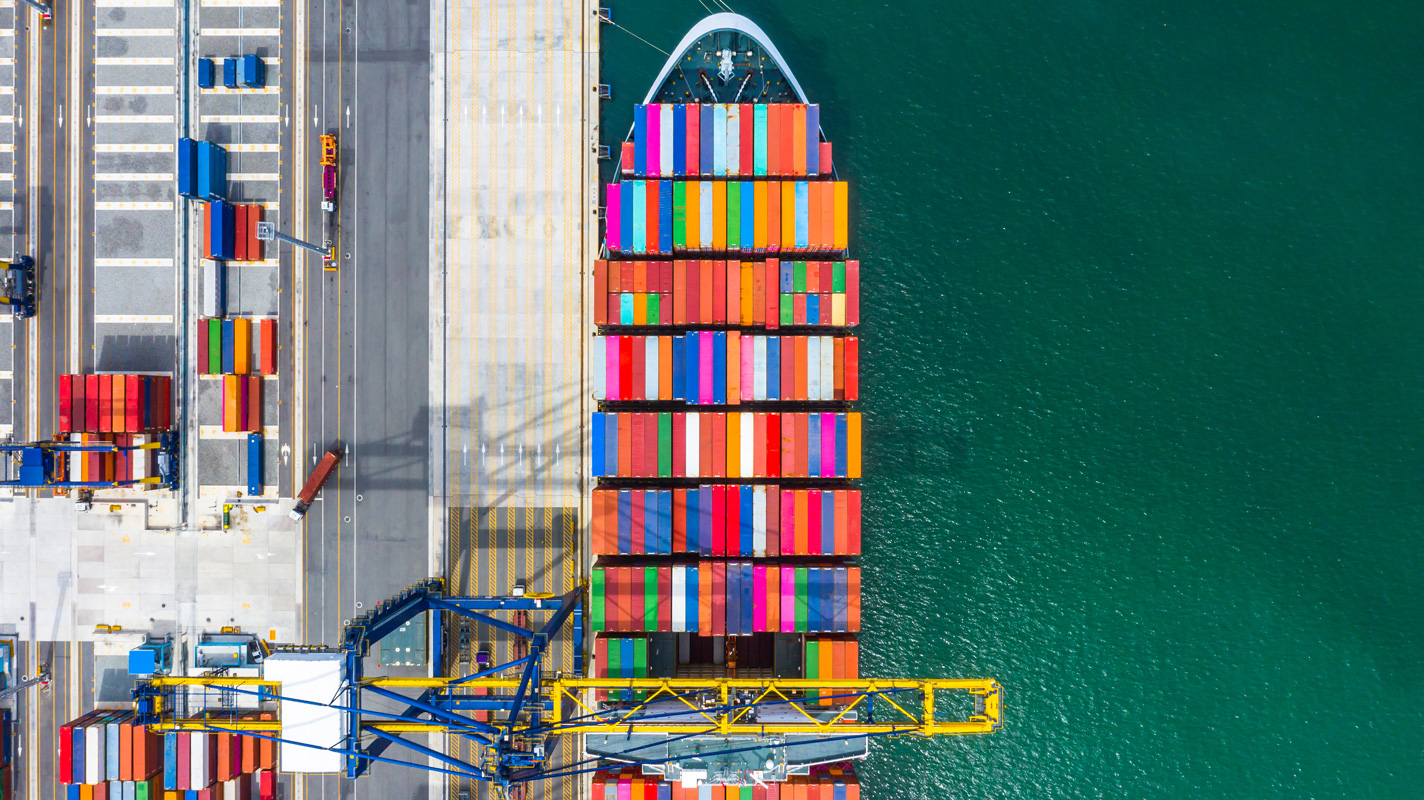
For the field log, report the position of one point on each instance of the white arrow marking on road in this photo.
(465, 455)
(87, 115)
(61, 116)
(348, 116)
(287, 115)
(484, 455)
(286, 453)
(314, 116)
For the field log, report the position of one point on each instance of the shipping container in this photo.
(206, 78)
(122, 403)
(267, 346)
(253, 72)
(794, 445)
(728, 213)
(254, 464)
(222, 234)
(214, 286)
(188, 168)
(230, 73)
(743, 368)
(212, 171)
(725, 140)
(731, 598)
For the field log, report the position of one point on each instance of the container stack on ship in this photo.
(726, 519)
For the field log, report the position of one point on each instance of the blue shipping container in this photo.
(170, 761)
(254, 72)
(598, 445)
(222, 236)
(230, 73)
(188, 167)
(205, 73)
(229, 349)
(205, 170)
(254, 464)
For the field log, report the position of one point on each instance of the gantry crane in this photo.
(41, 465)
(663, 723)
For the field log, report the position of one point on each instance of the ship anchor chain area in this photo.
(369, 426)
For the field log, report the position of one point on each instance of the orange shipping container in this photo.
(241, 346)
(773, 217)
(788, 216)
(734, 367)
(719, 215)
(828, 216)
(853, 445)
(694, 216)
(268, 346)
(798, 139)
(230, 403)
(842, 216)
(600, 292)
(759, 234)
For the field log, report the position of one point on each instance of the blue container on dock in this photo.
(212, 171)
(598, 445)
(229, 335)
(254, 464)
(188, 167)
(230, 73)
(221, 236)
(72, 791)
(170, 761)
(254, 72)
(205, 73)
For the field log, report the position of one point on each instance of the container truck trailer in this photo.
(328, 199)
(317, 479)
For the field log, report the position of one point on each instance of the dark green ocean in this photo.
(1143, 333)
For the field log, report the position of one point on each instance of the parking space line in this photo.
(273, 32)
(216, 432)
(133, 31)
(122, 61)
(133, 262)
(166, 119)
(162, 319)
(254, 176)
(133, 148)
(133, 90)
(134, 3)
(242, 3)
(159, 206)
(267, 118)
(133, 176)
(253, 148)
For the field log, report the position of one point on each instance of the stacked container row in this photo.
(620, 657)
(230, 231)
(121, 466)
(726, 368)
(677, 140)
(832, 658)
(242, 403)
(726, 598)
(664, 217)
(114, 403)
(227, 346)
(214, 287)
(770, 294)
(202, 170)
(726, 445)
(726, 520)
(194, 761)
(826, 782)
(106, 745)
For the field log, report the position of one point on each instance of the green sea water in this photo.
(1142, 345)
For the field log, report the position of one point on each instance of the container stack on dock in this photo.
(722, 535)
(106, 755)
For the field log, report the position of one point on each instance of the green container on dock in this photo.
(215, 347)
(679, 216)
(665, 445)
(838, 277)
(595, 592)
(650, 598)
(801, 596)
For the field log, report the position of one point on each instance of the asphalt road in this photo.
(366, 376)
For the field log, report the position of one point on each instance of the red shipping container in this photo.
(773, 446)
(650, 457)
(240, 233)
(79, 403)
(254, 403)
(732, 522)
(719, 292)
(136, 400)
(853, 599)
(679, 515)
(679, 292)
(267, 346)
(719, 520)
(679, 445)
(719, 598)
(64, 423)
(165, 403)
(185, 768)
(635, 422)
(638, 353)
(852, 368)
(202, 351)
(704, 598)
(625, 367)
(747, 118)
(66, 753)
(852, 293)
(704, 445)
(636, 545)
(106, 404)
(773, 521)
(694, 292)
(255, 215)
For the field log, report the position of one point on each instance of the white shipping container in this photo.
(828, 373)
(679, 602)
(704, 207)
(140, 458)
(665, 140)
(198, 756)
(650, 368)
(759, 368)
(748, 448)
(94, 761)
(640, 218)
(813, 367)
(734, 138)
(600, 366)
(213, 275)
(759, 521)
(694, 445)
(131, 791)
(719, 140)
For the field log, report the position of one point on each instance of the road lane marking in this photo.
(133, 31)
(134, 3)
(116, 206)
(165, 319)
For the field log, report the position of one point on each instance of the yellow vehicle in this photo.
(328, 149)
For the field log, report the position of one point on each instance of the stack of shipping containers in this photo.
(123, 409)
(105, 755)
(726, 521)
(825, 782)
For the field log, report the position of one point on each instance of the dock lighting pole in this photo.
(46, 13)
(267, 231)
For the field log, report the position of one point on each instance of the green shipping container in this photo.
(215, 346)
(734, 216)
(838, 277)
(650, 598)
(614, 668)
(665, 445)
(788, 311)
(640, 658)
(679, 216)
(801, 597)
(798, 277)
(595, 601)
(654, 309)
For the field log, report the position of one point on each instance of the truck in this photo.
(17, 286)
(328, 199)
(317, 479)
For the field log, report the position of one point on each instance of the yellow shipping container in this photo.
(241, 346)
(719, 215)
(853, 444)
(788, 215)
(838, 309)
(229, 403)
(842, 217)
(734, 429)
(694, 215)
(748, 291)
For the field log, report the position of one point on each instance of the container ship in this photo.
(726, 520)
